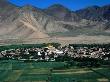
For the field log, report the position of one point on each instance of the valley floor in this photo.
(43, 72)
(81, 39)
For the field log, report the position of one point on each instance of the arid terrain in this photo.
(82, 39)
(56, 23)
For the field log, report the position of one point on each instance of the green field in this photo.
(15, 71)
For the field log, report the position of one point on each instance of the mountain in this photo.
(93, 17)
(28, 22)
(6, 9)
(95, 13)
(106, 13)
(58, 11)
(61, 13)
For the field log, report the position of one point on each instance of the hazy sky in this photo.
(71, 4)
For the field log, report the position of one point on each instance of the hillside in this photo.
(28, 22)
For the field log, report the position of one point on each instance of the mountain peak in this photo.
(29, 7)
(4, 3)
(94, 7)
(106, 7)
(58, 7)
(3, 0)
(58, 11)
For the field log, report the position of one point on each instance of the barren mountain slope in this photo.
(56, 23)
(29, 22)
(24, 26)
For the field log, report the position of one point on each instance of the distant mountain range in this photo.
(54, 21)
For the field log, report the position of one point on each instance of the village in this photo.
(49, 63)
(50, 53)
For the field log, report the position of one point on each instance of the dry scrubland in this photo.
(63, 40)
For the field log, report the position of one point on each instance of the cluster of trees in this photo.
(7, 47)
(54, 44)
(82, 62)
(91, 45)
